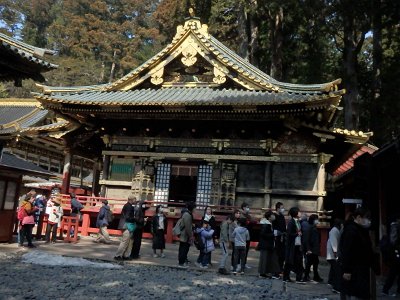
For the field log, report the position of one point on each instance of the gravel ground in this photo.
(22, 280)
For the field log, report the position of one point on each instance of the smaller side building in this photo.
(12, 169)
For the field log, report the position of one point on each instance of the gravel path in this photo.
(21, 280)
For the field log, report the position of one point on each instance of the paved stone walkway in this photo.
(145, 278)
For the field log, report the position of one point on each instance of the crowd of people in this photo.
(287, 243)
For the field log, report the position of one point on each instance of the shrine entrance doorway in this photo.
(183, 183)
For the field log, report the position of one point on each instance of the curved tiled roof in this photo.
(22, 61)
(349, 163)
(27, 52)
(218, 54)
(185, 96)
(226, 57)
(16, 114)
(49, 127)
(11, 161)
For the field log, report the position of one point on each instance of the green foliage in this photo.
(3, 91)
(307, 41)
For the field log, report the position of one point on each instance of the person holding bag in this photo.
(27, 220)
(128, 225)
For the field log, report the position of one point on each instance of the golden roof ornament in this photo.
(191, 12)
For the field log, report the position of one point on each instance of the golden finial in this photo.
(191, 12)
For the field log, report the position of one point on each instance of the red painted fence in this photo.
(172, 211)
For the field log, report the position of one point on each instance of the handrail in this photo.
(93, 204)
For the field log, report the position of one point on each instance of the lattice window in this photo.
(204, 179)
(121, 169)
(162, 182)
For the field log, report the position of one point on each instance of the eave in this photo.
(19, 60)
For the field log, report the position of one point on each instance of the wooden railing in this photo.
(172, 210)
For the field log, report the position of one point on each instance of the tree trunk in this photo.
(276, 25)
(377, 49)
(112, 71)
(350, 74)
(242, 30)
(253, 37)
(102, 73)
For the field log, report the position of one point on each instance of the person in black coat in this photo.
(127, 217)
(268, 264)
(140, 220)
(356, 256)
(280, 233)
(311, 245)
(294, 254)
(158, 230)
(392, 257)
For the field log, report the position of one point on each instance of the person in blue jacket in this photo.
(206, 234)
(102, 224)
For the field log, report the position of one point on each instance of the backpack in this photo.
(198, 241)
(109, 216)
(177, 230)
(21, 213)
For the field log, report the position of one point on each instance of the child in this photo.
(224, 243)
(206, 235)
(241, 236)
(158, 228)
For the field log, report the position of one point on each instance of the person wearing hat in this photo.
(102, 224)
(55, 213)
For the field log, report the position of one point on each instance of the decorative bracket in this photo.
(219, 76)
(157, 77)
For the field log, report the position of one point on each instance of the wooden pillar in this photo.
(321, 177)
(96, 177)
(66, 179)
(85, 224)
(81, 173)
(267, 185)
(106, 167)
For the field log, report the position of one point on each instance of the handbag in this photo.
(130, 226)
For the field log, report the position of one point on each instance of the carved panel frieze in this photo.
(228, 184)
(143, 180)
(292, 142)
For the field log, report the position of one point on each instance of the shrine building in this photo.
(197, 122)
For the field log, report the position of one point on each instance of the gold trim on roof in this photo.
(20, 102)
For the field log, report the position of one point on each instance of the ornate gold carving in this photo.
(189, 56)
(156, 77)
(324, 158)
(219, 76)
